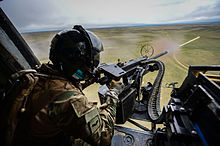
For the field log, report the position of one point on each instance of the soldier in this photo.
(60, 111)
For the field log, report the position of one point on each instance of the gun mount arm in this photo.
(190, 118)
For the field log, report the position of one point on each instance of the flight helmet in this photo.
(75, 52)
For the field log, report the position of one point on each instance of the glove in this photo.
(111, 95)
(118, 88)
(114, 92)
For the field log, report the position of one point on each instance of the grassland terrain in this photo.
(125, 43)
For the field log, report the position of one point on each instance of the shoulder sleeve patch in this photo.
(80, 105)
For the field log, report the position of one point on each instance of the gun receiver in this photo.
(117, 71)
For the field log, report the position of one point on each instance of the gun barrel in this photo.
(158, 55)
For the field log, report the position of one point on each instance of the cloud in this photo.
(53, 14)
(204, 13)
(33, 14)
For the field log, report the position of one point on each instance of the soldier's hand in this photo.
(117, 86)
(113, 84)
(111, 96)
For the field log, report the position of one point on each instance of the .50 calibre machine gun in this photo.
(192, 116)
(132, 73)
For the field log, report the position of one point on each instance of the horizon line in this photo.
(121, 26)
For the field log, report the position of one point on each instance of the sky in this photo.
(36, 15)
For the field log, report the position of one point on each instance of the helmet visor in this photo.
(96, 59)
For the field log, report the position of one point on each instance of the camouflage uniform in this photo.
(62, 113)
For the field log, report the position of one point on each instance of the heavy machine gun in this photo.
(132, 73)
(190, 118)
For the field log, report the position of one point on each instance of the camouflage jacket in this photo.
(61, 113)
